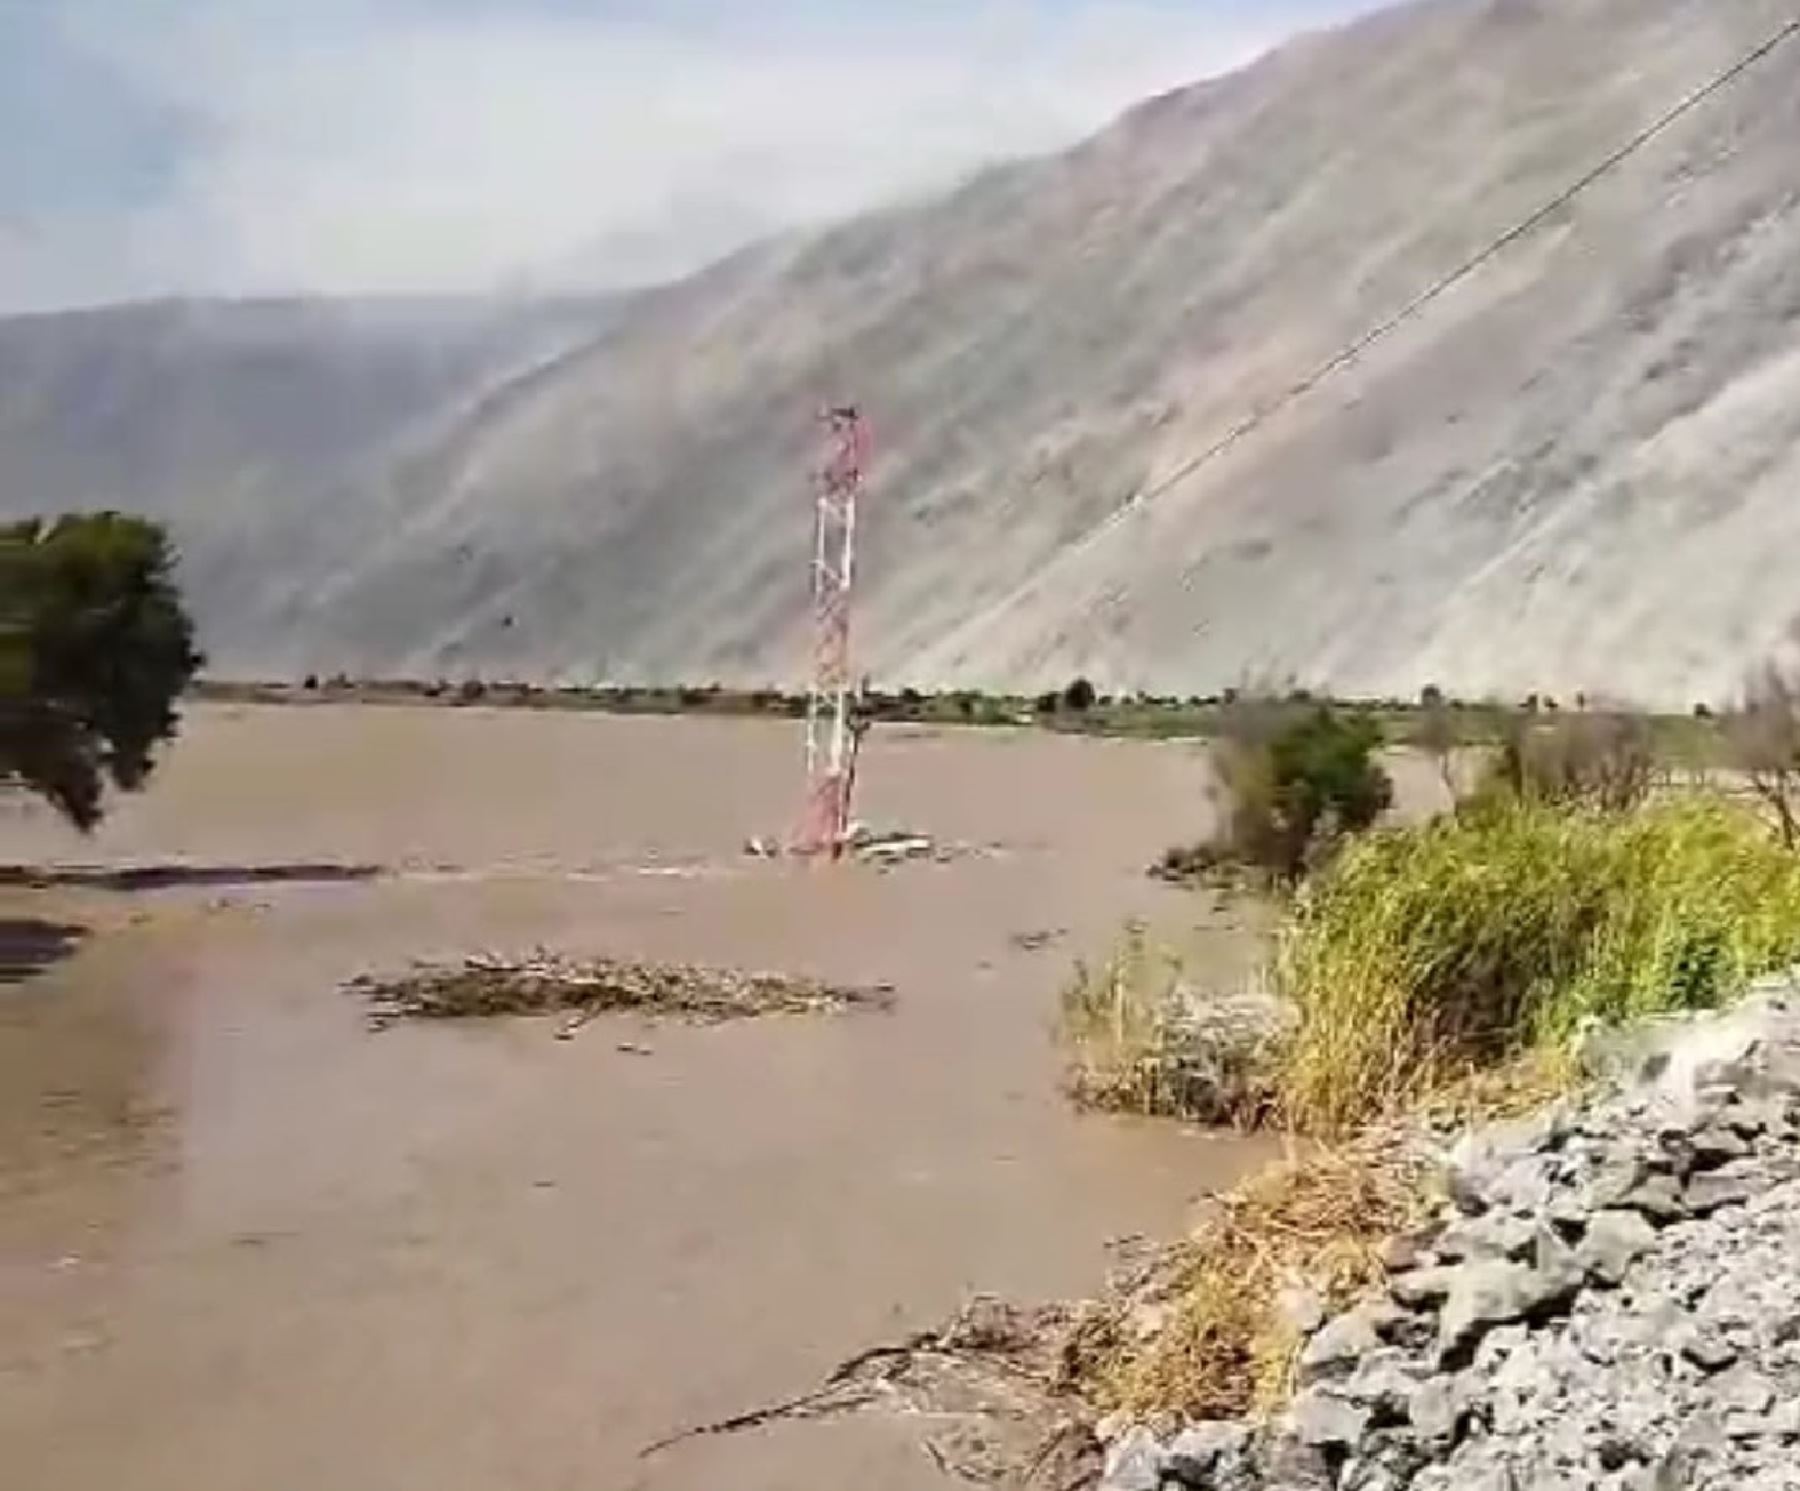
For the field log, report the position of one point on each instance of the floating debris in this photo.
(888, 849)
(883, 848)
(988, 1384)
(546, 984)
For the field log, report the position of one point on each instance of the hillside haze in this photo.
(1579, 470)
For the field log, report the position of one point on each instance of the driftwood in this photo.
(989, 1382)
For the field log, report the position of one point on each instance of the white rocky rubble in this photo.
(1610, 1299)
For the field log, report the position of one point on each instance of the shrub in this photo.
(1079, 696)
(1763, 736)
(1606, 761)
(1425, 953)
(1295, 781)
(1325, 768)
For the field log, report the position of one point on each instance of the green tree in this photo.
(1327, 781)
(1293, 780)
(95, 649)
(1079, 697)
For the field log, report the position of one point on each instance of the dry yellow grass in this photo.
(1526, 1084)
(1220, 1346)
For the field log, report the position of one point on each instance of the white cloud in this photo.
(364, 146)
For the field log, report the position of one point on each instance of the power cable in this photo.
(1335, 364)
(1455, 277)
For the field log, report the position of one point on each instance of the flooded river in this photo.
(244, 1242)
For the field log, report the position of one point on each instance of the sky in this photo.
(242, 147)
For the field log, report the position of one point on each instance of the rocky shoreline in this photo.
(1608, 1298)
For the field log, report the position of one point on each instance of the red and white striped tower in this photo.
(831, 734)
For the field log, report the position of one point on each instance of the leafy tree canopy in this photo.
(1079, 696)
(95, 649)
(1325, 767)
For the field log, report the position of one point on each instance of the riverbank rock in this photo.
(1610, 1299)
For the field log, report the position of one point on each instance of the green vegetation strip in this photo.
(1688, 738)
(1424, 954)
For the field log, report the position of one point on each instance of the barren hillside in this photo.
(1580, 470)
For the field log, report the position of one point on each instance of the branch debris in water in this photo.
(984, 1384)
(486, 986)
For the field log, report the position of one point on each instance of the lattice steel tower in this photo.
(832, 735)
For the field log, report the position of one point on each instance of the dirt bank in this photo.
(245, 1242)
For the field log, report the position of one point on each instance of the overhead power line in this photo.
(1342, 359)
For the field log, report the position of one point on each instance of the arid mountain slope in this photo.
(266, 434)
(1579, 470)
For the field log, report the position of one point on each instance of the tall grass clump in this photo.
(1424, 954)
(1138, 1038)
(1116, 1026)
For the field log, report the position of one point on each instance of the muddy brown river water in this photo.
(244, 1242)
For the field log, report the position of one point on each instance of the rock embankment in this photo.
(1611, 1298)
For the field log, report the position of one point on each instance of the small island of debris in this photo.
(545, 984)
